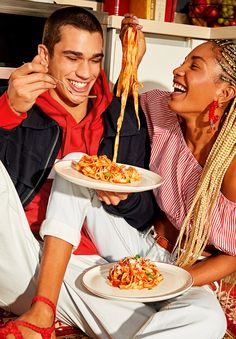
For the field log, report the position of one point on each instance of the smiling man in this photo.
(58, 104)
(48, 98)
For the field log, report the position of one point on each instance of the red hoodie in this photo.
(84, 137)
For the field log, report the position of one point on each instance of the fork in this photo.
(66, 87)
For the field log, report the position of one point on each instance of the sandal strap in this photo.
(45, 332)
(11, 327)
(46, 301)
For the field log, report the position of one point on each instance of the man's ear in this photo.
(43, 53)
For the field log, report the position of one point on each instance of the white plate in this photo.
(149, 179)
(176, 281)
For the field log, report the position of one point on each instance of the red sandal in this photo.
(11, 327)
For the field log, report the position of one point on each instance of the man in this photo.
(45, 114)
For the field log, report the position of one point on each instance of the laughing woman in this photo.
(193, 147)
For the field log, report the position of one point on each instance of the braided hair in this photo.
(196, 227)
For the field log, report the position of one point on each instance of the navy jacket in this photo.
(29, 151)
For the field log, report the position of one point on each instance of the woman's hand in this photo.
(111, 198)
(132, 20)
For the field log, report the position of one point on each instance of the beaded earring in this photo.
(212, 117)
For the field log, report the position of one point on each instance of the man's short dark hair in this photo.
(72, 15)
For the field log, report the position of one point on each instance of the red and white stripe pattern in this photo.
(172, 159)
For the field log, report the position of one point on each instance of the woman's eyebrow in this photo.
(194, 58)
(197, 57)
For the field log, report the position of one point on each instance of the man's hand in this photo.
(132, 20)
(26, 83)
(111, 198)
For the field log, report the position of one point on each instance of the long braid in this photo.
(218, 161)
(196, 227)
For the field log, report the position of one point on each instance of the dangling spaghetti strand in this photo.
(127, 82)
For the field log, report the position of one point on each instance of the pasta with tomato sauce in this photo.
(102, 168)
(134, 273)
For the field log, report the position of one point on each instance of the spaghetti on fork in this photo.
(128, 79)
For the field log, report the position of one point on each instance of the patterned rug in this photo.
(228, 303)
(67, 332)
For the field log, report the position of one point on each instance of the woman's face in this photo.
(196, 82)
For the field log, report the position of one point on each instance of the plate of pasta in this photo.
(103, 174)
(164, 281)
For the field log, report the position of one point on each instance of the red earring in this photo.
(212, 117)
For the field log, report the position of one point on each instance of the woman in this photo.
(193, 148)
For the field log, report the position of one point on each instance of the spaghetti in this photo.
(128, 79)
(102, 168)
(134, 273)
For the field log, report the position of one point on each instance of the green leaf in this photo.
(149, 275)
(107, 174)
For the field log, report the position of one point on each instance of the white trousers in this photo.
(195, 314)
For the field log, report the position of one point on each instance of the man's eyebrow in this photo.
(80, 54)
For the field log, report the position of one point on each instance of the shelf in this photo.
(181, 30)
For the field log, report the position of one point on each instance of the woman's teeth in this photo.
(180, 88)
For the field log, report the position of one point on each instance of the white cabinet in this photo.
(167, 46)
(163, 54)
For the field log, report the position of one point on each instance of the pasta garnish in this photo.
(128, 79)
(134, 273)
(102, 168)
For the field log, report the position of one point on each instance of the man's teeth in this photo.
(179, 87)
(78, 84)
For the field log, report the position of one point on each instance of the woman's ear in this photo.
(43, 53)
(227, 94)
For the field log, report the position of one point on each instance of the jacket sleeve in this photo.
(8, 119)
(134, 149)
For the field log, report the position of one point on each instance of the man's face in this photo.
(76, 61)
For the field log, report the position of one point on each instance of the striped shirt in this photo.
(172, 159)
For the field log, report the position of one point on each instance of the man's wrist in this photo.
(12, 107)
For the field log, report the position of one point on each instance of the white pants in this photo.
(195, 314)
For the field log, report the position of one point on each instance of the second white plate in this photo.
(176, 281)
